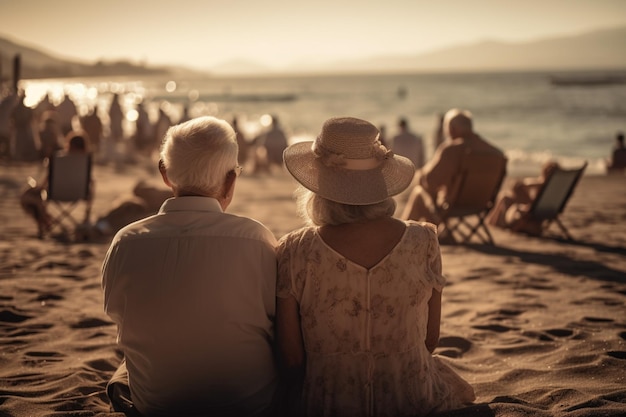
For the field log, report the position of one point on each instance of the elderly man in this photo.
(192, 290)
(437, 177)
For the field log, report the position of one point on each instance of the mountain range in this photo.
(596, 50)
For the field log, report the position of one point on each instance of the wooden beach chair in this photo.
(552, 198)
(69, 186)
(472, 197)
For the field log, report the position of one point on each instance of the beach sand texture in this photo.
(537, 326)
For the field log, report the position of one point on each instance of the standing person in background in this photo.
(359, 292)
(93, 126)
(617, 163)
(244, 146)
(408, 144)
(23, 121)
(192, 290)
(116, 117)
(66, 111)
(8, 100)
(438, 135)
(116, 131)
(143, 139)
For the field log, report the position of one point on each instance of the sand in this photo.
(536, 325)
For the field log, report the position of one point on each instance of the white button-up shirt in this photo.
(192, 290)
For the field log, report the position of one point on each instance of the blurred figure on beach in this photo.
(66, 111)
(508, 211)
(617, 163)
(44, 106)
(8, 100)
(33, 200)
(116, 117)
(438, 135)
(408, 144)
(23, 124)
(242, 142)
(436, 178)
(269, 147)
(50, 136)
(162, 124)
(359, 290)
(195, 324)
(143, 139)
(145, 201)
(94, 128)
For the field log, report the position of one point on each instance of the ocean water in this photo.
(524, 114)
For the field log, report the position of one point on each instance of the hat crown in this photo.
(350, 137)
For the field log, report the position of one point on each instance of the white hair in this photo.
(458, 120)
(199, 153)
(319, 211)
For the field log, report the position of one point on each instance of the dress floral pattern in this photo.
(364, 329)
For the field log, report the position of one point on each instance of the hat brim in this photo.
(354, 187)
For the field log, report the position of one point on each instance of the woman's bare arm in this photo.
(434, 321)
(289, 338)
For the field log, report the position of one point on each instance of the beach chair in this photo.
(69, 186)
(553, 196)
(471, 198)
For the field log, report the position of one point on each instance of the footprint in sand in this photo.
(617, 354)
(7, 316)
(90, 323)
(35, 358)
(494, 328)
(560, 332)
(453, 346)
(598, 320)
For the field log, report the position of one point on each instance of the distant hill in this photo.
(596, 50)
(601, 49)
(35, 63)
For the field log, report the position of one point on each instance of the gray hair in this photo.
(319, 211)
(459, 120)
(199, 153)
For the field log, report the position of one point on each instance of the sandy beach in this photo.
(536, 325)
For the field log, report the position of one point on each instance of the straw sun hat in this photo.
(347, 164)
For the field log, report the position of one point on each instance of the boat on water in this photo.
(587, 80)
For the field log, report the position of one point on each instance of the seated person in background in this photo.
(192, 290)
(617, 164)
(145, 201)
(437, 177)
(32, 201)
(359, 291)
(508, 212)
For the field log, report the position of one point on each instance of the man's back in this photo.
(442, 169)
(192, 290)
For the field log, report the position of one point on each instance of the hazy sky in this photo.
(203, 33)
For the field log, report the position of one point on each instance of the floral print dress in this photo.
(364, 329)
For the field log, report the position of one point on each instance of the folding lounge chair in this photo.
(552, 197)
(69, 183)
(472, 197)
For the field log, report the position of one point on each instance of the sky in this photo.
(277, 33)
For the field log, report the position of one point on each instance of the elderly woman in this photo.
(358, 291)
(192, 290)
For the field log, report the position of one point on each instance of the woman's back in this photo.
(364, 326)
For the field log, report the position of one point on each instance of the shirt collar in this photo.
(195, 203)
